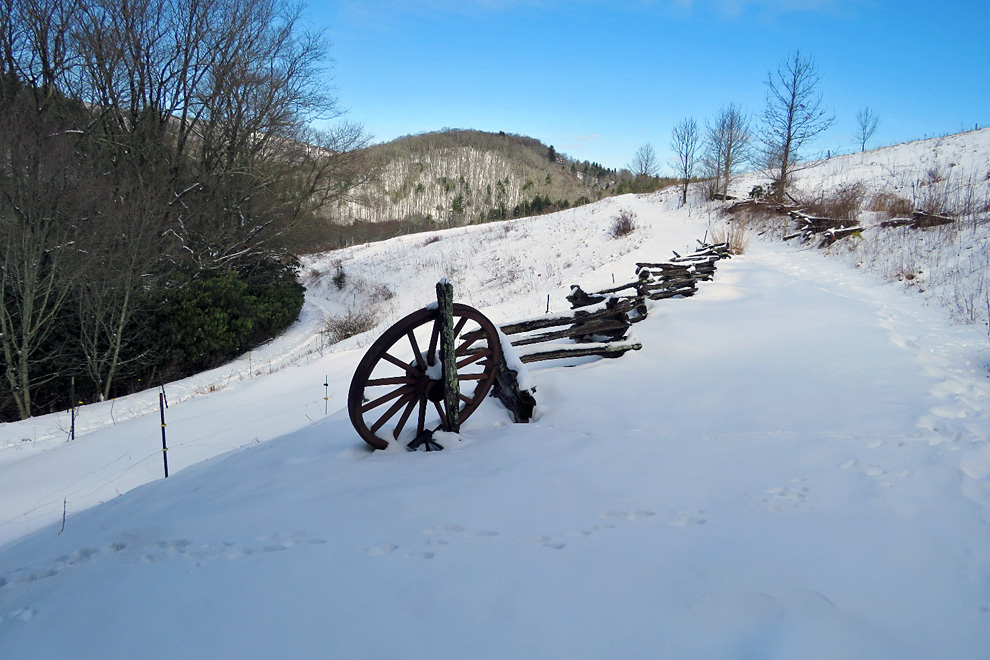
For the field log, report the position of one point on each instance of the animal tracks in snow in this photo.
(689, 517)
(882, 476)
(128, 553)
(443, 537)
(786, 498)
(22, 614)
(436, 538)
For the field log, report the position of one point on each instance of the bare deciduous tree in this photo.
(645, 161)
(38, 245)
(139, 135)
(123, 245)
(215, 97)
(794, 115)
(685, 141)
(867, 122)
(727, 146)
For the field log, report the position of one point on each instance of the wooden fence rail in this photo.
(599, 322)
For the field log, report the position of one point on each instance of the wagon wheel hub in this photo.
(433, 389)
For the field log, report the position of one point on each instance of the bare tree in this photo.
(727, 146)
(35, 42)
(794, 115)
(645, 161)
(137, 134)
(124, 249)
(213, 98)
(685, 142)
(867, 122)
(39, 255)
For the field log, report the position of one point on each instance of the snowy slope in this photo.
(795, 465)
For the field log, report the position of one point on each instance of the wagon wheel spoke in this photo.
(405, 417)
(444, 420)
(460, 326)
(390, 413)
(468, 343)
(398, 380)
(402, 391)
(463, 377)
(415, 349)
(399, 363)
(474, 358)
(434, 338)
(421, 424)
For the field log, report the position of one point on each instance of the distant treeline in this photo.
(457, 177)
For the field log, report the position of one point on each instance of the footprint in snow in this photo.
(546, 542)
(161, 551)
(444, 529)
(628, 515)
(419, 555)
(689, 517)
(382, 550)
(23, 614)
(784, 498)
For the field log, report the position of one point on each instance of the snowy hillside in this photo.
(948, 265)
(795, 465)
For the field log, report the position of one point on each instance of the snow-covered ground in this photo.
(795, 465)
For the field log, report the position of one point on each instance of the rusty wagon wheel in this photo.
(397, 391)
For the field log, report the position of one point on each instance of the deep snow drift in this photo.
(795, 465)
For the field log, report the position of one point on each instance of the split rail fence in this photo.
(599, 322)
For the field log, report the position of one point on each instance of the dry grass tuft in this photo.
(623, 224)
(843, 203)
(888, 205)
(735, 232)
(338, 328)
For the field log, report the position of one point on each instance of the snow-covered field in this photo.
(795, 465)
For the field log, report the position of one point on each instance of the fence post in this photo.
(72, 403)
(161, 406)
(448, 358)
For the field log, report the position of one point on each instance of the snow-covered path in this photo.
(794, 466)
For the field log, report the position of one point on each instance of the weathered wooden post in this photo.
(448, 357)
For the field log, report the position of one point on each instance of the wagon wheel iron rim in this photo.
(397, 390)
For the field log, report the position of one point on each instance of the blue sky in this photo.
(597, 79)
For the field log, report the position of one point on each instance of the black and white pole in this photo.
(72, 422)
(161, 406)
(326, 394)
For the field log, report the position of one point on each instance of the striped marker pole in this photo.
(161, 406)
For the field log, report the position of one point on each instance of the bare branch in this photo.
(645, 161)
(685, 142)
(794, 115)
(867, 123)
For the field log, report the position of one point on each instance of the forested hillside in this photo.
(457, 177)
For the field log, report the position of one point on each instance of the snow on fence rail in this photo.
(919, 220)
(599, 322)
(830, 229)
